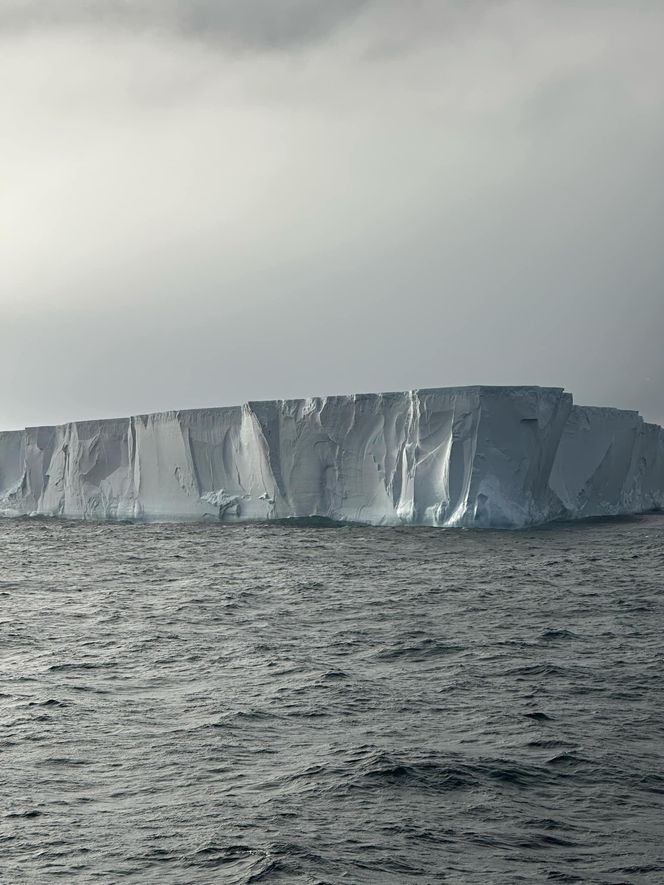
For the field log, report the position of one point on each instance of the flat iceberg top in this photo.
(472, 456)
(213, 411)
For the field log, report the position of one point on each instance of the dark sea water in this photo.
(301, 704)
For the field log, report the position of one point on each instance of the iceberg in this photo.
(477, 456)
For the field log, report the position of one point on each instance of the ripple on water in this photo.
(305, 703)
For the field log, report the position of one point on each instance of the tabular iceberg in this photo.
(462, 456)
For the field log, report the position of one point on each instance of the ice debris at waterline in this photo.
(462, 456)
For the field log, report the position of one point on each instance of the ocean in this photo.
(319, 704)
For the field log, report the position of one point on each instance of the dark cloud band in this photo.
(258, 24)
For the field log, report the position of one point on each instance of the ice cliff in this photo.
(470, 456)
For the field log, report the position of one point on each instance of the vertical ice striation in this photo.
(609, 462)
(468, 456)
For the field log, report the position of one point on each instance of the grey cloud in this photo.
(260, 24)
(485, 209)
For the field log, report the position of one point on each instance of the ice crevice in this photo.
(477, 456)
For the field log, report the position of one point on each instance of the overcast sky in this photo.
(209, 201)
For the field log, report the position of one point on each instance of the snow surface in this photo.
(469, 456)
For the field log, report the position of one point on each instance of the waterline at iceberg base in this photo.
(462, 456)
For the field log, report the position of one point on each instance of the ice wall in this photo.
(473, 456)
(609, 462)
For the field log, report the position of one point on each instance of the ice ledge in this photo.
(457, 456)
